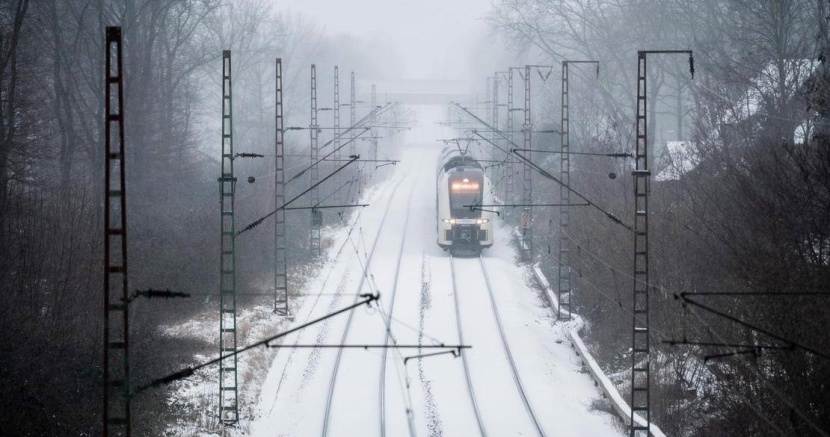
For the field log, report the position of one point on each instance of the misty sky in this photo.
(432, 37)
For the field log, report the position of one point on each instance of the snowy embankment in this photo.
(573, 327)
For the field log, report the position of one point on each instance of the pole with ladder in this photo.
(640, 364)
(564, 288)
(509, 167)
(526, 221)
(280, 256)
(116, 415)
(314, 173)
(228, 405)
(488, 110)
(374, 153)
(229, 412)
(338, 178)
(564, 275)
(494, 121)
(352, 115)
(353, 143)
(640, 347)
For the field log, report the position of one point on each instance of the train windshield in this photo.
(465, 189)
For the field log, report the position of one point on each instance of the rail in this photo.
(508, 353)
(388, 336)
(470, 390)
(336, 368)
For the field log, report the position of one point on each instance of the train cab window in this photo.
(465, 189)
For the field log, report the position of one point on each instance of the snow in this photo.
(389, 248)
(678, 158)
(609, 390)
(426, 396)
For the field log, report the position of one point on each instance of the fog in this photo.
(733, 155)
(428, 39)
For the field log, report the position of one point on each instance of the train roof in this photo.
(452, 158)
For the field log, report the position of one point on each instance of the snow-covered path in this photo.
(393, 242)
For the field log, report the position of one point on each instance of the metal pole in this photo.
(564, 276)
(640, 354)
(527, 198)
(280, 256)
(352, 121)
(314, 172)
(640, 363)
(374, 153)
(564, 290)
(510, 168)
(228, 405)
(338, 178)
(495, 119)
(488, 111)
(353, 113)
(116, 415)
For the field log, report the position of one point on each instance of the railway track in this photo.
(388, 336)
(505, 347)
(333, 302)
(507, 352)
(470, 390)
(338, 358)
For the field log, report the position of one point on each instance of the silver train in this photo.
(462, 182)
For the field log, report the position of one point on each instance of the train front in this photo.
(461, 228)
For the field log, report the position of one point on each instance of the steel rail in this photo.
(335, 369)
(470, 389)
(507, 351)
(343, 278)
(393, 292)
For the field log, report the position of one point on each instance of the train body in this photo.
(461, 182)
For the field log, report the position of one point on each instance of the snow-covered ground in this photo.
(391, 250)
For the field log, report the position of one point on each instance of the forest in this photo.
(740, 198)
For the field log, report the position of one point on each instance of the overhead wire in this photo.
(681, 296)
(763, 379)
(539, 169)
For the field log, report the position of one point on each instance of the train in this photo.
(460, 183)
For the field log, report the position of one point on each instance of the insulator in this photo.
(692, 65)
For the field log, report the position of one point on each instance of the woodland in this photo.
(740, 219)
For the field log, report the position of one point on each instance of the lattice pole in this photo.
(640, 347)
(527, 197)
(338, 178)
(314, 172)
(280, 255)
(353, 144)
(495, 121)
(352, 119)
(116, 415)
(488, 109)
(564, 289)
(640, 359)
(228, 405)
(564, 276)
(373, 124)
(495, 114)
(510, 168)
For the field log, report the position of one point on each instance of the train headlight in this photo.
(450, 221)
(482, 221)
